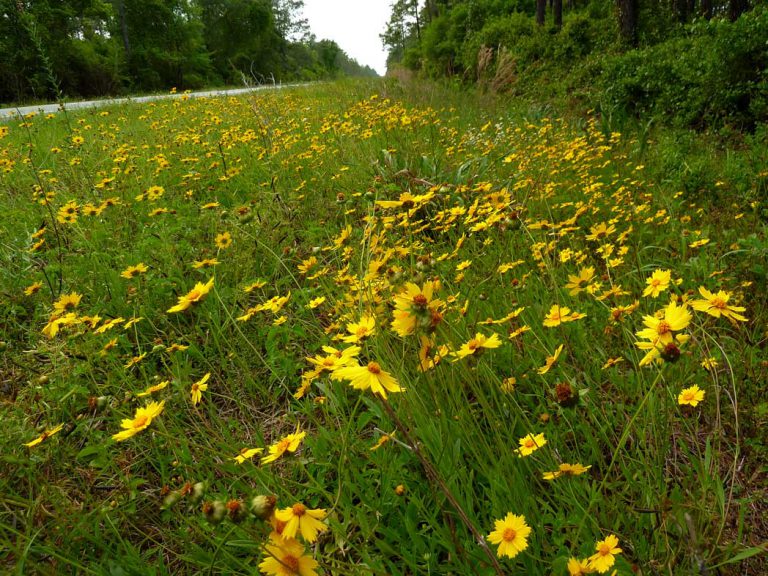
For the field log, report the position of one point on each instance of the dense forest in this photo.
(697, 64)
(52, 48)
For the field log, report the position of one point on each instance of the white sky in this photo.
(355, 25)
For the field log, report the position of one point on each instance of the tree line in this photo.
(51, 48)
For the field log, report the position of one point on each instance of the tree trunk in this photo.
(432, 12)
(736, 8)
(124, 27)
(627, 11)
(541, 8)
(706, 9)
(418, 20)
(557, 13)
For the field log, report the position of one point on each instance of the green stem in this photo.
(619, 446)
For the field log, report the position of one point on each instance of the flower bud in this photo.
(671, 353)
(214, 511)
(198, 491)
(171, 499)
(236, 510)
(566, 395)
(262, 506)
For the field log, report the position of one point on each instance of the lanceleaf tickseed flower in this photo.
(430, 354)
(299, 520)
(205, 263)
(140, 421)
(33, 288)
(67, 302)
(135, 360)
(152, 389)
(223, 240)
(247, 454)
(566, 470)
(52, 328)
(717, 305)
(600, 231)
(476, 346)
(660, 330)
(333, 360)
(511, 534)
(415, 307)
(289, 443)
(198, 388)
(530, 443)
(657, 283)
(359, 331)
(602, 561)
(194, 296)
(109, 324)
(691, 396)
(370, 376)
(44, 436)
(578, 283)
(307, 265)
(659, 333)
(133, 271)
(559, 315)
(286, 558)
(315, 302)
(550, 361)
(578, 567)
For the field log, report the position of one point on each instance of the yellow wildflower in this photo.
(198, 388)
(604, 558)
(717, 305)
(300, 520)
(371, 376)
(530, 443)
(289, 443)
(511, 535)
(476, 346)
(141, 420)
(194, 296)
(44, 436)
(657, 283)
(691, 396)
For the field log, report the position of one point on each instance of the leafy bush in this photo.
(714, 74)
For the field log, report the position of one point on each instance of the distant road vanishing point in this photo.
(9, 113)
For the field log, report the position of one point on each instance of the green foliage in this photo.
(716, 73)
(241, 37)
(689, 69)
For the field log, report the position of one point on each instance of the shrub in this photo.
(714, 74)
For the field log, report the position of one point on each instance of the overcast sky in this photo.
(355, 25)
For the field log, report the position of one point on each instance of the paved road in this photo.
(7, 113)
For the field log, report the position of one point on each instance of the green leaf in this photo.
(744, 554)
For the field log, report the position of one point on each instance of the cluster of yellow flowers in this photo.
(511, 534)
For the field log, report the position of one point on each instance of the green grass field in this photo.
(377, 329)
